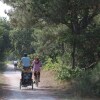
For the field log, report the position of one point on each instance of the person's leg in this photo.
(39, 76)
(30, 75)
(34, 76)
(22, 75)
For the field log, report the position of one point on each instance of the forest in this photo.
(65, 34)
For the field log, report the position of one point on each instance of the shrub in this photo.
(67, 73)
(63, 72)
(88, 82)
(50, 65)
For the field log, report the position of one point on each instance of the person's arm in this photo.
(32, 64)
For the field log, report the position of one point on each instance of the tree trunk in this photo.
(74, 32)
(73, 53)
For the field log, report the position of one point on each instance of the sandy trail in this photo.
(26, 93)
(11, 89)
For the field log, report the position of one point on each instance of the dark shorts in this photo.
(35, 73)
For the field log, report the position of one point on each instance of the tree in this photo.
(21, 41)
(76, 14)
(4, 37)
(22, 13)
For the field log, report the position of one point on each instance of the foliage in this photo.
(63, 71)
(63, 33)
(88, 82)
(4, 37)
(67, 73)
(87, 53)
(76, 14)
(21, 41)
(50, 65)
(50, 40)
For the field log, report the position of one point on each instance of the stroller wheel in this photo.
(20, 84)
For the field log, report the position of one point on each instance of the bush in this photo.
(67, 73)
(63, 72)
(83, 82)
(50, 65)
(88, 82)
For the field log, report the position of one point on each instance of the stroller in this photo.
(26, 78)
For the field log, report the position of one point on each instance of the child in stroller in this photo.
(26, 77)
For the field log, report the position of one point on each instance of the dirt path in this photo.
(26, 93)
(45, 91)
